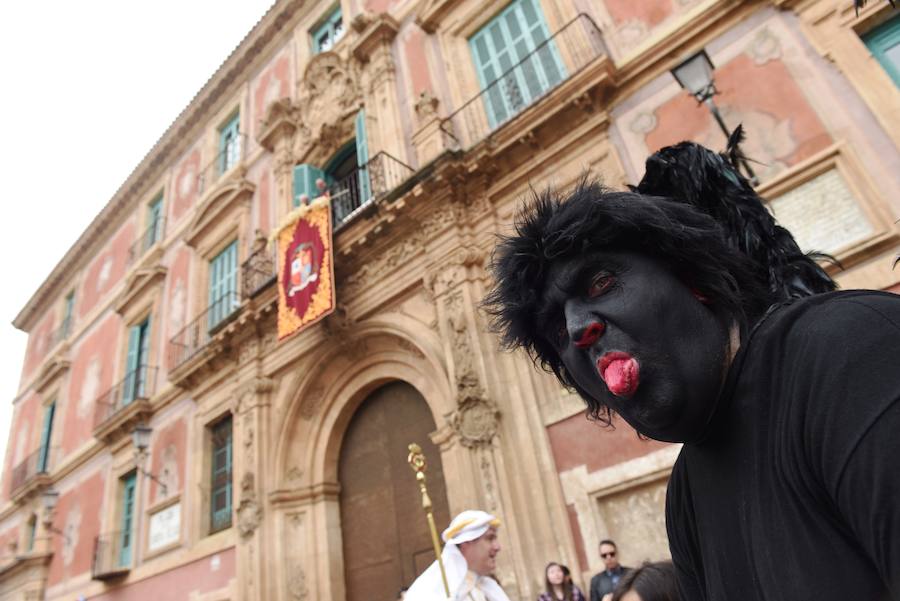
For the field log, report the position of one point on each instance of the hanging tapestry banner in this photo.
(305, 267)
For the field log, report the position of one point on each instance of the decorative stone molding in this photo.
(475, 421)
(432, 13)
(249, 513)
(140, 285)
(381, 31)
(247, 393)
(426, 107)
(230, 201)
(453, 269)
(383, 265)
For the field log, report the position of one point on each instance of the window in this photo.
(346, 175)
(220, 478)
(229, 143)
(30, 533)
(68, 309)
(154, 222)
(135, 384)
(126, 535)
(884, 43)
(327, 34)
(512, 69)
(46, 433)
(223, 285)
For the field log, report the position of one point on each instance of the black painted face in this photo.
(635, 338)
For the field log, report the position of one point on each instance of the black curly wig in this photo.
(553, 228)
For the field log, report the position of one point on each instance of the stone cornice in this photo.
(270, 31)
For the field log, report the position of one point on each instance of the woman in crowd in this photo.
(559, 585)
(650, 582)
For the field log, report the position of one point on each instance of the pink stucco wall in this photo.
(106, 270)
(78, 515)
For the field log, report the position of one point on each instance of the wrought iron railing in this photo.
(138, 384)
(194, 337)
(561, 56)
(109, 558)
(386, 172)
(39, 462)
(227, 158)
(258, 271)
(151, 236)
(381, 174)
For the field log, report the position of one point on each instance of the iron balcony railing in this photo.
(138, 384)
(112, 555)
(226, 159)
(151, 236)
(381, 174)
(556, 59)
(196, 335)
(258, 271)
(35, 464)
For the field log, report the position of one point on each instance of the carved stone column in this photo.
(250, 459)
(428, 139)
(373, 51)
(277, 136)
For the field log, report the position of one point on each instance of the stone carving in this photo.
(296, 577)
(439, 220)
(637, 515)
(475, 421)
(426, 107)
(383, 265)
(248, 393)
(297, 583)
(249, 513)
(643, 123)
(169, 472)
(764, 47)
(311, 401)
(71, 531)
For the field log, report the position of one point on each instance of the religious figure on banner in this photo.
(305, 267)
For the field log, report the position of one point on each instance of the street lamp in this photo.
(140, 438)
(695, 74)
(49, 499)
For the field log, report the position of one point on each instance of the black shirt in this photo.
(795, 491)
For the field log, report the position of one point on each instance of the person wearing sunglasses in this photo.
(605, 582)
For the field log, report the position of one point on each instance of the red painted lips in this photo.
(621, 373)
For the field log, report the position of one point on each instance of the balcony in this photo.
(383, 173)
(152, 235)
(258, 271)
(194, 340)
(125, 405)
(225, 160)
(32, 474)
(111, 561)
(575, 47)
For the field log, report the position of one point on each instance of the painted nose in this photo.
(590, 334)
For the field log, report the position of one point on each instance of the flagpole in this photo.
(416, 461)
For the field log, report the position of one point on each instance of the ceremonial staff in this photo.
(416, 461)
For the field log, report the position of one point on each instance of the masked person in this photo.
(469, 556)
(683, 308)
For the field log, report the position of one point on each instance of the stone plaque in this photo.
(165, 527)
(636, 519)
(822, 214)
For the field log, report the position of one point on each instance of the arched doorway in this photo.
(385, 537)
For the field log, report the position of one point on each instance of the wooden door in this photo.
(385, 536)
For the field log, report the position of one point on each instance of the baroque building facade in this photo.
(165, 443)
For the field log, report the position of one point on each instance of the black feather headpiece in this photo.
(710, 182)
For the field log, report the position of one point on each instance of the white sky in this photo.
(87, 89)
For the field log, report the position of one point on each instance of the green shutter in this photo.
(884, 43)
(220, 481)
(362, 157)
(326, 35)
(131, 364)
(223, 284)
(305, 177)
(126, 537)
(67, 318)
(229, 144)
(505, 46)
(143, 358)
(46, 432)
(154, 222)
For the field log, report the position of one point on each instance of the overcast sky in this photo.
(88, 88)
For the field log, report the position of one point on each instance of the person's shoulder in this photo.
(842, 303)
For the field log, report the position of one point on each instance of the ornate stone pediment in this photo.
(330, 96)
(225, 204)
(141, 284)
(282, 118)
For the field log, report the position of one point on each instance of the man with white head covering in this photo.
(469, 555)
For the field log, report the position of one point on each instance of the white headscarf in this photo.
(465, 527)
